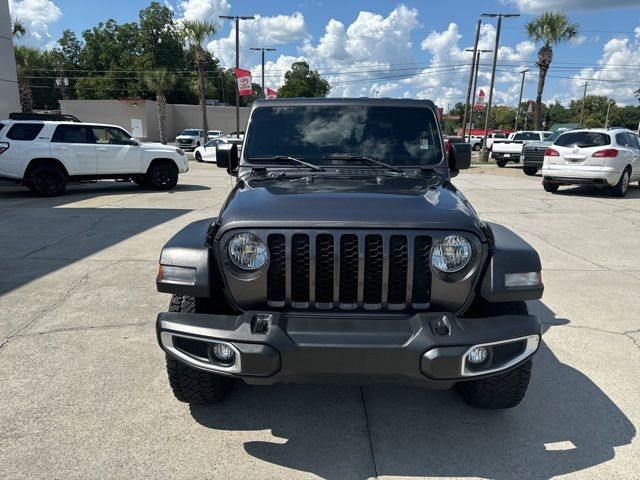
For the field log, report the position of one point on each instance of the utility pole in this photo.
(261, 49)
(237, 18)
(584, 97)
(485, 150)
(473, 63)
(606, 122)
(475, 83)
(523, 72)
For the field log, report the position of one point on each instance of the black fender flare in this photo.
(190, 248)
(509, 254)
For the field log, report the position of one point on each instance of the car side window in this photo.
(110, 136)
(621, 139)
(633, 141)
(24, 131)
(72, 134)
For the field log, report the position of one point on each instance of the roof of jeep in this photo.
(364, 101)
(55, 122)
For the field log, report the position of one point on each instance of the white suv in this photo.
(45, 155)
(596, 156)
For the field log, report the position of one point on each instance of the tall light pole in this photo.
(475, 83)
(261, 49)
(237, 18)
(584, 97)
(485, 150)
(523, 72)
(473, 62)
(606, 122)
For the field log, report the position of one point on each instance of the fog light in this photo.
(478, 355)
(223, 353)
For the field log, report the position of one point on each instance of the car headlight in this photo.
(451, 254)
(247, 251)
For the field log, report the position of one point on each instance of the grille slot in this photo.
(349, 271)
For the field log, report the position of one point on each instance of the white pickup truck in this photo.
(509, 149)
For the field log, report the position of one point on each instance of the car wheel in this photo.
(505, 390)
(501, 163)
(188, 384)
(620, 189)
(477, 147)
(48, 181)
(530, 171)
(198, 157)
(550, 187)
(197, 144)
(163, 176)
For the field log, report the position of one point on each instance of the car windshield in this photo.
(212, 143)
(397, 135)
(583, 139)
(193, 133)
(553, 136)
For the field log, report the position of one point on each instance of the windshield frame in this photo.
(427, 105)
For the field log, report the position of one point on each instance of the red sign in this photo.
(271, 93)
(479, 105)
(243, 77)
(530, 108)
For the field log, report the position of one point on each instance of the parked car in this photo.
(190, 138)
(510, 149)
(211, 134)
(533, 153)
(237, 134)
(345, 254)
(599, 157)
(476, 140)
(45, 155)
(207, 152)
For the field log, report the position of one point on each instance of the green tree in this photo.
(197, 33)
(160, 82)
(300, 81)
(18, 29)
(549, 29)
(503, 117)
(160, 38)
(28, 60)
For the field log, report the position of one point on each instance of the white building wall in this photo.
(9, 100)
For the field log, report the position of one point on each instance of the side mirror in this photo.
(227, 156)
(459, 157)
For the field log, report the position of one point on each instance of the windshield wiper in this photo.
(364, 159)
(292, 160)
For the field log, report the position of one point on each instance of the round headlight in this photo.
(247, 251)
(451, 254)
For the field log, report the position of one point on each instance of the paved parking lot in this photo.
(83, 391)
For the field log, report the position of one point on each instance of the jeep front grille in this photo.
(349, 271)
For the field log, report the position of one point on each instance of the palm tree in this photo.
(550, 29)
(18, 29)
(27, 59)
(161, 81)
(197, 33)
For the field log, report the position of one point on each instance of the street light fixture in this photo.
(237, 18)
(485, 150)
(261, 49)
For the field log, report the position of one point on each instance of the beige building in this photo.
(9, 100)
(140, 117)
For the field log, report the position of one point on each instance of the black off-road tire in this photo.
(550, 187)
(47, 181)
(163, 176)
(198, 157)
(501, 163)
(499, 391)
(621, 188)
(530, 171)
(190, 385)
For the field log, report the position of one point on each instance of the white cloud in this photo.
(537, 6)
(36, 16)
(611, 78)
(261, 32)
(203, 9)
(579, 40)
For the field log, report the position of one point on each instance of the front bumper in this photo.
(271, 347)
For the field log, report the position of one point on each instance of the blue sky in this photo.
(397, 49)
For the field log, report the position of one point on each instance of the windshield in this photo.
(554, 135)
(192, 133)
(395, 135)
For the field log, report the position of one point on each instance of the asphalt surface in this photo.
(84, 394)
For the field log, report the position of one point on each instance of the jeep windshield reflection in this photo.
(396, 135)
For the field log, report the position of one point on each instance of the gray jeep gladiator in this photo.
(345, 254)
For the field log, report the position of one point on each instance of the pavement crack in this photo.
(366, 417)
(627, 334)
(84, 328)
(58, 303)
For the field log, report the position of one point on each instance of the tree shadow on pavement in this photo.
(565, 424)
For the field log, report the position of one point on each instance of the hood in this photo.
(159, 146)
(538, 144)
(347, 202)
